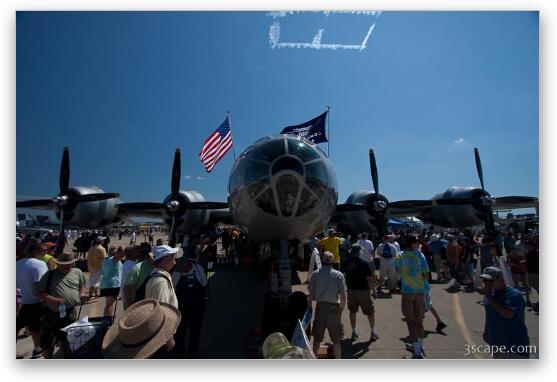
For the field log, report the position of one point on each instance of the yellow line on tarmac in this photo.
(459, 318)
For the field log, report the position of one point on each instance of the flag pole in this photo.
(328, 135)
(230, 127)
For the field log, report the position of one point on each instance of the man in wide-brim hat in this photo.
(61, 290)
(142, 329)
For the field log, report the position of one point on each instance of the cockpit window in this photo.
(255, 171)
(237, 178)
(255, 188)
(287, 192)
(301, 150)
(269, 151)
(317, 172)
(288, 163)
(266, 202)
(307, 203)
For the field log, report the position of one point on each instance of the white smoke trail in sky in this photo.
(279, 14)
(274, 38)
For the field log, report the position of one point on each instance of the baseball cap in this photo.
(492, 273)
(328, 257)
(162, 251)
(330, 231)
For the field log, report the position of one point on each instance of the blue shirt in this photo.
(112, 273)
(436, 246)
(412, 266)
(507, 332)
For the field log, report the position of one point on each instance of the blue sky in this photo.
(123, 90)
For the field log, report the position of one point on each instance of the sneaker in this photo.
(354, 335)
(374, 337)
(418, 356)
(37, 354)
(440, 326)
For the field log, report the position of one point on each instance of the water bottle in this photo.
(62, 310)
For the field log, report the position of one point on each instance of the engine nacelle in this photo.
(361, 221)
(457, 216)
(89, 214)
(189, 221)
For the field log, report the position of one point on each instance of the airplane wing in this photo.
(401, 208)
(140, 209)
(510, 202)
(39, 204)
(221, 216)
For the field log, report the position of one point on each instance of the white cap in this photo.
(162, 251)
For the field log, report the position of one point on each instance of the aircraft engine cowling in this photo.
(94, 214)
(190, 221)
(363, 220)
(457, 215)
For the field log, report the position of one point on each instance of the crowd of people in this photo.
(343, 272)
(51, 287)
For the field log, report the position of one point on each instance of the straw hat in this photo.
(65, 259)
(141, 330)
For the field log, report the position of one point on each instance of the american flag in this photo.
(216, 146)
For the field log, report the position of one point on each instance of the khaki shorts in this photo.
(327, 316)
(360, 298)
(95, 279)
(413, 306)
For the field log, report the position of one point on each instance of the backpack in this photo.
(387, 251)
(140, 291)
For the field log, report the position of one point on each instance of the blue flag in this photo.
(313, 130)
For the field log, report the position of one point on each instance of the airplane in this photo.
(457, 207)
(28, 224)
(282, 187)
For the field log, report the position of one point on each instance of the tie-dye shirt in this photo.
(412, 266)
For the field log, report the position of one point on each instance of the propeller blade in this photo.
(489, 223)
(373, 168)
(96, 197)
(479, 167)
(61, 234)
(176, 174)
(65, 172)
(411, 204)
(351, 207)
(172, 238)
(34, 203)
(207, 205)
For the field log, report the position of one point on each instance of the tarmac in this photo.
(234, 313)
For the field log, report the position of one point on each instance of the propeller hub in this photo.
(379, 205)
(488, 201)
(173, 205)
(61, 200)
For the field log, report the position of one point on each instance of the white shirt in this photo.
(28, 272)
(367, 250)
(161, 289)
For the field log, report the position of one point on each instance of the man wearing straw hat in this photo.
(61, 290)
(142, 329)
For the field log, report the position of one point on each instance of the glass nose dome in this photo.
(284, 175)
